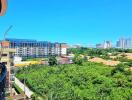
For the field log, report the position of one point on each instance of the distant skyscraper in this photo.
(124, 43)
(121, 43)
(118, 44)
(128, 43)
(107, 44)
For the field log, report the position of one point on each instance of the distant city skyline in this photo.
(122, 42)
(107, 43)
(85, 22)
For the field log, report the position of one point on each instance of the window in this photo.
(4, 55)
(5, 63)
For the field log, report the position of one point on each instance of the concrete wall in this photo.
(28, 92)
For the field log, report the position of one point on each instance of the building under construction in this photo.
(33, 48)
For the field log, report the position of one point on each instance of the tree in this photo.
(52, 60)
(85, 58)
(87, 82)
(118, 68)
(34, 97)
(78, 60)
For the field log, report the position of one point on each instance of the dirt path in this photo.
(106, 62)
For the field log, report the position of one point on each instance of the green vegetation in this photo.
(78, 60)
(52, 60)
(8, 98)
(34, 97)
(90, 81)
(19, 90)
(102, 53)
(122, 59)
(118, 54)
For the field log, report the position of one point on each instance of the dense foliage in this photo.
(90, 81)
(97, 52)
(78, 60)
(52, 60)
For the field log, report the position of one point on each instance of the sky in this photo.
(85, 22)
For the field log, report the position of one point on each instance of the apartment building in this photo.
(107, 44)
(34, 48)
(124, 43)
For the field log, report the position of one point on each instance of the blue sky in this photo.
(72, 21)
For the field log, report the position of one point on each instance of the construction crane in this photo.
(3, 7)
(3, 70)
(4, 40)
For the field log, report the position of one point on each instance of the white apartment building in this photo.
(33, 48)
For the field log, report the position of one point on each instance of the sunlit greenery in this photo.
(89, 81)
(52, 60)
(98, 52)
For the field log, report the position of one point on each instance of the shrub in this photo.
(52, 60)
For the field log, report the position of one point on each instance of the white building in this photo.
(33, 48)
(105, 45)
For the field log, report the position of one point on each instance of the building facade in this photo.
(128, 43)
(33, 48)
(7, 58)
(105, 45)
(124, 43)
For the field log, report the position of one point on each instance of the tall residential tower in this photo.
(124, 43)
